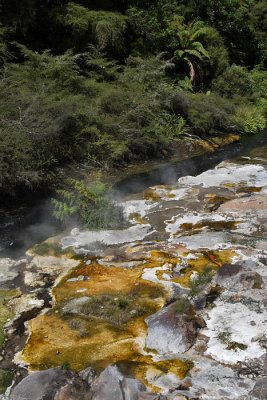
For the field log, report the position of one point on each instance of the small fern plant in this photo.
(90, 205)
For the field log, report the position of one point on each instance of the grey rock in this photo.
(8, 269)
(88, 375)
(52, 384)
(236, 277)
(171, 332)
(112, 385)
(151, 396)
(75, 306)
(260, 389)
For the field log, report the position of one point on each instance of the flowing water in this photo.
(22, 228)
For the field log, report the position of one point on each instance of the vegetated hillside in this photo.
(112, 82)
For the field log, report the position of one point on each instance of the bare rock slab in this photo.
(52, 384)
(112, 385)
(171, 332)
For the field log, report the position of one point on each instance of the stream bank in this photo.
(166, 302)
(22, 225)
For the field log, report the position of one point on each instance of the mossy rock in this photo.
(49, 249)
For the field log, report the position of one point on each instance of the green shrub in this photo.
(235, 81)
(106, 30)
(251, 119)
(170, 126)
(259, 83)
(200, 282)
(209, 114)
(181, 305)
(65, 365)
(115, 102)
(90, 204)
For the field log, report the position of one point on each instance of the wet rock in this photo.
(85, 241)
(25, 303)
(170, 331)
(255, 202)
(52, 384)
(112, 385)
(8, 270)
(51, 265)
(228, 174)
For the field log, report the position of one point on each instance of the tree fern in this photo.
(87, 203)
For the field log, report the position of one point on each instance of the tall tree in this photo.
(187, 45)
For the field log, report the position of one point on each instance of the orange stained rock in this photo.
(147, 370)
(152, 194)
(213, 259)
(53, 342)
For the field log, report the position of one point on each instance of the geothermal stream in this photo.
(172, 307)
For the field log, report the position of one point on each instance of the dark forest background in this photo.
(110, 82)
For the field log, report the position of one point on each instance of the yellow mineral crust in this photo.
(81, 341)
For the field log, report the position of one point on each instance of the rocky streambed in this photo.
(173, 307)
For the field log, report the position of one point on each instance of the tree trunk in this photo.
(192, 72)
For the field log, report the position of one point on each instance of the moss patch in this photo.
(211, 259)
(152, 195)
(136, 217)
(108, 326)
(216, 226)
(146, 369)
(49, 249)
(6, 378)
(5, 312)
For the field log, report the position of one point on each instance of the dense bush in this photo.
(251, 119)
(235, 81)
(210, 114)
(122, 80)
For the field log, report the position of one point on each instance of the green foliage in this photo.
(186, 43)
(106, 30)
(65, 365)
(6, 378)
(39, 117)
(218, 60)
(123, 80)
(116, 310)
(89, 204)
(258, 78)
(251, 119)
(181, 305)
(209, 114)
(200, 282)
(4, 51)
(235, 81)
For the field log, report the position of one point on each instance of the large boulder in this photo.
(172, 331)
(52, 384)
